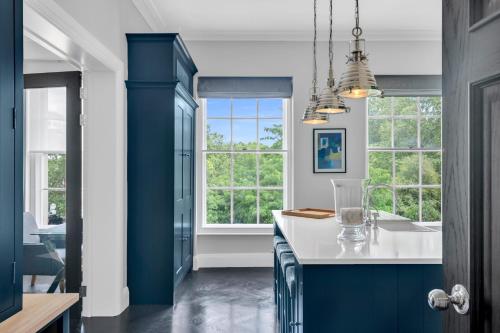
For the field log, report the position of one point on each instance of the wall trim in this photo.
(151, 14)
(221, 260)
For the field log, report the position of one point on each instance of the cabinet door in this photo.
(7, 150)
(178, 190)
(187, 184)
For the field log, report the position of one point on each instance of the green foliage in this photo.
(56, 168)
(244, 164)
(406, 163)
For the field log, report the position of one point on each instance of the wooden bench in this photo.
(41, 313)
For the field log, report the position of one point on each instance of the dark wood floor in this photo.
(232, 300)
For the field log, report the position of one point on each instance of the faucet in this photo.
(367, 192)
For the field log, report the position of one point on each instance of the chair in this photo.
(39, 259)
(29, 228)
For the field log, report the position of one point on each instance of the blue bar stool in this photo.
(277, 241)
(287, 260)
(281, 249)
(290, 299)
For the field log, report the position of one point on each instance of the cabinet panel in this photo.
(188, 184)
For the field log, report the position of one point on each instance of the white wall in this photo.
(95, 33)
(294, 59)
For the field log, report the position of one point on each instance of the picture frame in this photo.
(329, 150)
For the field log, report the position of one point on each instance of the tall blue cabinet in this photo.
(11, 156)
(161, 138)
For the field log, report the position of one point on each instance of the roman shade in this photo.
(245, 87)
(410, 85)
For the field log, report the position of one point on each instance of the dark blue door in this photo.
(187, 184)
(7, 150)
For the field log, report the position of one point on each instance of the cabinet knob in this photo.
(185, 154)
(294, 323)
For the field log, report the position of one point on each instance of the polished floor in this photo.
(225, 300)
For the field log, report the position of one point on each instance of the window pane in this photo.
(218, 170)
(379, 106)
(381, 199)
(430, 133)
(269, 201)
(218, 107)
(407, 168)
(57, 206)
(407, 203)
(270, 108)
(245, 134)
(431, 204)
(271, 169)
(430, 106)
(245, 206)
(271, 134)
(218, 206)
(379, 134)
(218, 134)
(56, 164)
(380, 167)
(405, 133)
(243, 107)
(245, 171)
(405, 106)
(431, 168)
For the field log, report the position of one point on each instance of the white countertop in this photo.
(314, 242)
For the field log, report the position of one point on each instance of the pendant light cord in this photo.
(330, 48)
(357, 31)
(315, 66)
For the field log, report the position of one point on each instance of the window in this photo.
(404, 152)
(245, 159)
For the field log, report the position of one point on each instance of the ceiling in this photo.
(292, 19)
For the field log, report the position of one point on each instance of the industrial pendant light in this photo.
(329, 101)
(357, 81)
(310, 116)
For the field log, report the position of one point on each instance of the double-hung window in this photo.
(404, 152)
(245, 159)
(245, 153)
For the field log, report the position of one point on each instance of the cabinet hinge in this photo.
(83, 120)
(14, 116)
(83, 291)
(83, 93)
(13, 272)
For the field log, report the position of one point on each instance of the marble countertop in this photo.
(314, 242)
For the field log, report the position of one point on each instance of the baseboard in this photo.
(212, 260)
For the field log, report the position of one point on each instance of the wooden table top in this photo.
(38, 311)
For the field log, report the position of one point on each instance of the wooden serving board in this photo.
(313, 213)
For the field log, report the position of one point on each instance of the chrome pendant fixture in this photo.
(329, 101)
(357, 81)
(310, 116)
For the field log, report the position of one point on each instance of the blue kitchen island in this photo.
(379, 285)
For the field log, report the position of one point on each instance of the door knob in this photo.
(439, 300)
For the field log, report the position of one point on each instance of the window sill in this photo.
(236, 230)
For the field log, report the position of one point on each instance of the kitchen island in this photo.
(378, 285)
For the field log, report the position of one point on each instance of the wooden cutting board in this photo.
(313, 213)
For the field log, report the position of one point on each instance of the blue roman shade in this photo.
(244, 87)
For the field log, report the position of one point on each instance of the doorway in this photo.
(53, 185)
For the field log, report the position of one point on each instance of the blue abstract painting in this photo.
(329, 150)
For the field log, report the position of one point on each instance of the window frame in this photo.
(286, 151)
(417, 93)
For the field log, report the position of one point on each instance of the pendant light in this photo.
(357, 81)
(329, 101)
(310, 116)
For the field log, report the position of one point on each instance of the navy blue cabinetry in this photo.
(161, 122)
(11, 156)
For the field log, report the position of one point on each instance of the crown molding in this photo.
(151, 14)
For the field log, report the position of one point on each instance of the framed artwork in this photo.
(329, 150)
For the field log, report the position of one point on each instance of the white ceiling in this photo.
(292, 19)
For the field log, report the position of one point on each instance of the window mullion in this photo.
(257, 163)
(231, 160)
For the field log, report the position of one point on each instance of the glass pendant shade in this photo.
(358, 80)
(312, 117)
